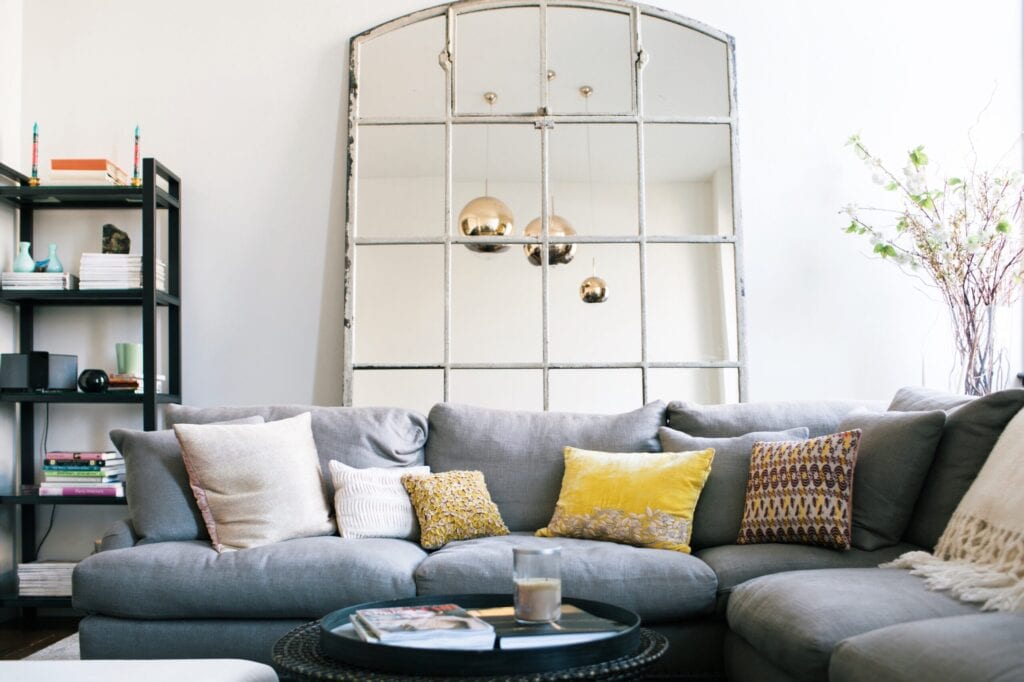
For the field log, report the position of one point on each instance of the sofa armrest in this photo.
(118, 535)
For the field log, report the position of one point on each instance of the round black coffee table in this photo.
(301, 655)
(298, 656)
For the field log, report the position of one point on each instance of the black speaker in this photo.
(38, 371)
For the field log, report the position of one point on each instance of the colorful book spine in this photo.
(82, 491)
(83, 454)
(85, 471)
(71, 463)
(81, 465)
(80, 480)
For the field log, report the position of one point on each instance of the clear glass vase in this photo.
(983, 357)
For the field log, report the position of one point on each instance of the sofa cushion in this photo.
(636, 498)
(520, 453)
(971, 431)
(896, 450)
(256, 484)
(736, 564)
(985, 647)
(660, 585)
(821, 417)
(920, 399)
(303, 578)
(719, 512)
(160, 500)
(361, 437)
(796, 619)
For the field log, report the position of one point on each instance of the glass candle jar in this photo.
(537, 579)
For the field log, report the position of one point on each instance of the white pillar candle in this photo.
(538, 600)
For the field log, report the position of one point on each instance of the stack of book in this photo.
(133, 382)
(38, 281)
(86, 172)
(440, 626)
(45, 579)
(117, 271)
(83, 474)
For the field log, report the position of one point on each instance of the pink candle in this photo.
(34, 180)
(136, 181)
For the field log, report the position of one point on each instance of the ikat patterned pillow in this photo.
(800, 492)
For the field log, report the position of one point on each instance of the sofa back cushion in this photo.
(360, 437)
(821, 417)
(521, 453)
(720, 506)
(972, 429)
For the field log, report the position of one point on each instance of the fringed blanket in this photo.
(980, 556)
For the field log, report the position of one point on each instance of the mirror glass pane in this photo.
(413, 389)
(400, 181)
(498, 51)
(687, 72)
(595, 191)
(688, 181)
(602, 391)
(400, 75)
(595, 332)
(399, 304)
(496, 307)
(499, 160)
(603, 61)
(691, 314)
(704, 386)
(504, 389)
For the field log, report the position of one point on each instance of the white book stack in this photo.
(38, 281)
(117, 271)
(45, 579)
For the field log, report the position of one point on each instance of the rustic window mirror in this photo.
(488, 134)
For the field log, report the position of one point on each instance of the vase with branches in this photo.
(961, 235)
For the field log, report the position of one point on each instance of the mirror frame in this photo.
(544, 122)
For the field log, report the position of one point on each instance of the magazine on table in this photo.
(574, 627)
(441, 626)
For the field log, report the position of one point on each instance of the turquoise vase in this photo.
(23, 261)
(53, 263)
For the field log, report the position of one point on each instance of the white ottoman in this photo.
(194, 670)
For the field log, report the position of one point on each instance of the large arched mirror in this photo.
(542, 210)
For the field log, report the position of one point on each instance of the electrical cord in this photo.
(42, 458)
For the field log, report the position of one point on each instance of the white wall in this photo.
(246, 100)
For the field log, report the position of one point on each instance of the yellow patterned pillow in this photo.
(636, 498)
(800, 491)
(454, 505)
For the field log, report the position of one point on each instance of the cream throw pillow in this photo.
(256, 484)
(372, 503)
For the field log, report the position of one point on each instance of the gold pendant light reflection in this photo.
(486, 216)
(594, 289)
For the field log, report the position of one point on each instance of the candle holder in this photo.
(537, 578)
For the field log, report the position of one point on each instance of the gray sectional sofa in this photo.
(750, 612)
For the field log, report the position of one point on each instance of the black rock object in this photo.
(93, 380)
(115, 240)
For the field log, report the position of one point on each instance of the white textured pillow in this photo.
(256, 484)
(373, 503)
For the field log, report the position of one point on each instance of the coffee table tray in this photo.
(349, 649)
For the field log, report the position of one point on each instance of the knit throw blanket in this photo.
(980, 556)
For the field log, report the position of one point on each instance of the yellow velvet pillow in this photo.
(636, 498)
(454, 505)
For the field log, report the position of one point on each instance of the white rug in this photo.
(64, 650)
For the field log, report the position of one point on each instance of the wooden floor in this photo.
(19, 638)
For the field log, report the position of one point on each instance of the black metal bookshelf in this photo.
(160, 190)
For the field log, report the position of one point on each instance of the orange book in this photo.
(82, 164)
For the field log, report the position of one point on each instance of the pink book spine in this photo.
(79, 491)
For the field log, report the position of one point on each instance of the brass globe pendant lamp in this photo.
(594, 289)
(558, 254)
(486, 216)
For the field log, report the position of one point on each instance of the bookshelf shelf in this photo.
(112, 297)
(35, 498)
(160, 191)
